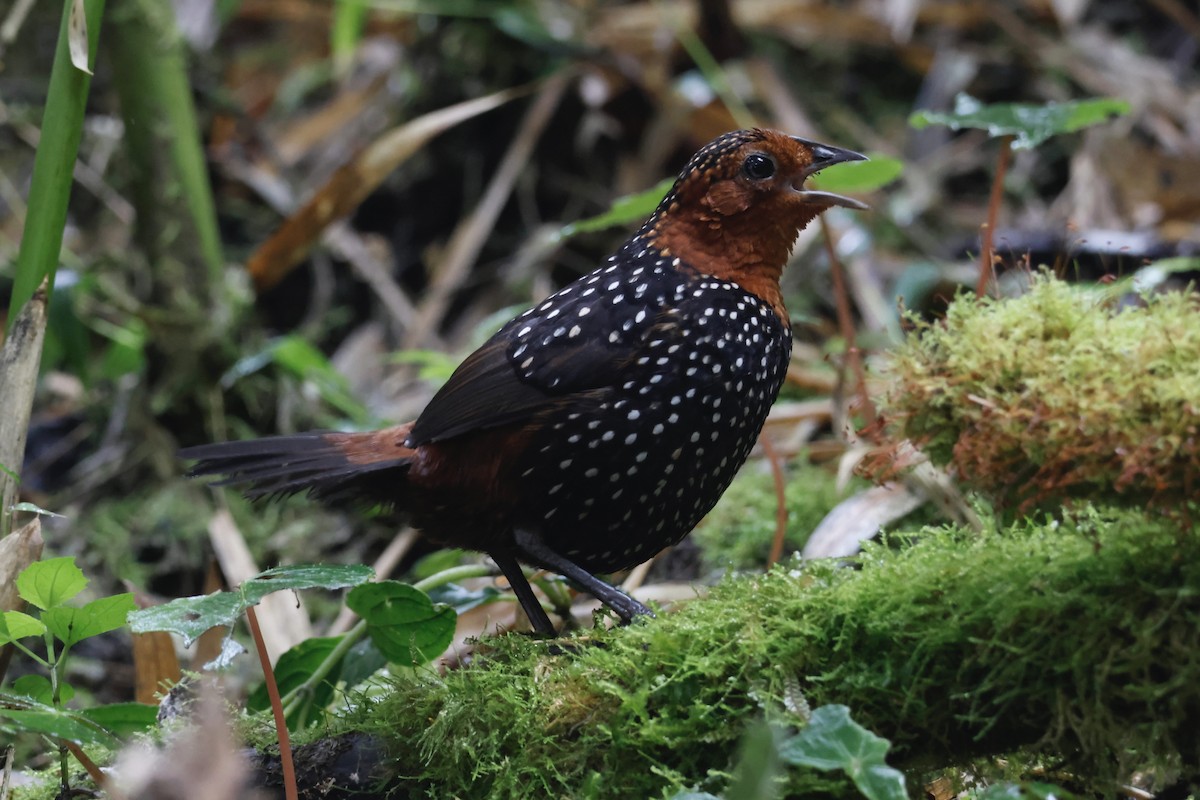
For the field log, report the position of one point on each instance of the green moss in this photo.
(1077, 639)
(1058, 394)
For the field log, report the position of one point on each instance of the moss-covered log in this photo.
(1076, 639)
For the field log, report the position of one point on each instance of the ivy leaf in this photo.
(51, 583)
(71, 625)
(832, 740)
(403, 622)
(1028, 124)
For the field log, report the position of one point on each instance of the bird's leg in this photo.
(537, 551)
(524, 592)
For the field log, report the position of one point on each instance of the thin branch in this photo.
(290, 790)
(987, 272)
(853, 360)
(781, 513)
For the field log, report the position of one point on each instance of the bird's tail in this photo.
(368, 467)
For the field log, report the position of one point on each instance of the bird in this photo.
(598, 427)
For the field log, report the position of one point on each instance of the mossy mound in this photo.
(1078, 639)
(1058, 394)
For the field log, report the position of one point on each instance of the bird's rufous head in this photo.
(738, 205)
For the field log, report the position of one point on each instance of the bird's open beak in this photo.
(824, 155)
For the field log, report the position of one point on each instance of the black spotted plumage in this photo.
(669, 373)
(602, 424)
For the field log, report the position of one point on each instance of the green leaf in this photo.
(191, 616)
(299, 358)
(305, 576)
(31, 508)
(39, 688)
(832, 740)
(123, 718)
(71, 625)
(432, 365)
(859, 176)
(51, 583)
(403, 622)
(1029, 125)
(308, 363)
(757, 772)
(462, 599)
(17, 625)
(293, 669)
(126, 354)
(23, 714)
(363, 662)
(626, 210)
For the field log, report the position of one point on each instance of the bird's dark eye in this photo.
(758, 167)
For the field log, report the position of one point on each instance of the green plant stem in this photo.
(352, 636)
(453, 574)
(54, 664)
(54, 163)
(714, 73)
(162, 133)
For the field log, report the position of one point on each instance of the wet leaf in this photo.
(1029, 125)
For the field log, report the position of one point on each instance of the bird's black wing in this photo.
(573, 343)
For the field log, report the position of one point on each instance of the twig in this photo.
(290, 789)
(781, 513)
(986, 267)
(468, 237)
(94, 772)
(846, 326)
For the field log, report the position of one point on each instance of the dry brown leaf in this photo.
(17, 551)
(155, 662)
(77, 37)
(351, 184)
(859, 518)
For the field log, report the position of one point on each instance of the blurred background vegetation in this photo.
(282, 219)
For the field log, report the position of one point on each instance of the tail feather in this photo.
(361, 467)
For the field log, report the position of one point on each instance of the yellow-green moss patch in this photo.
(1058, 394)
